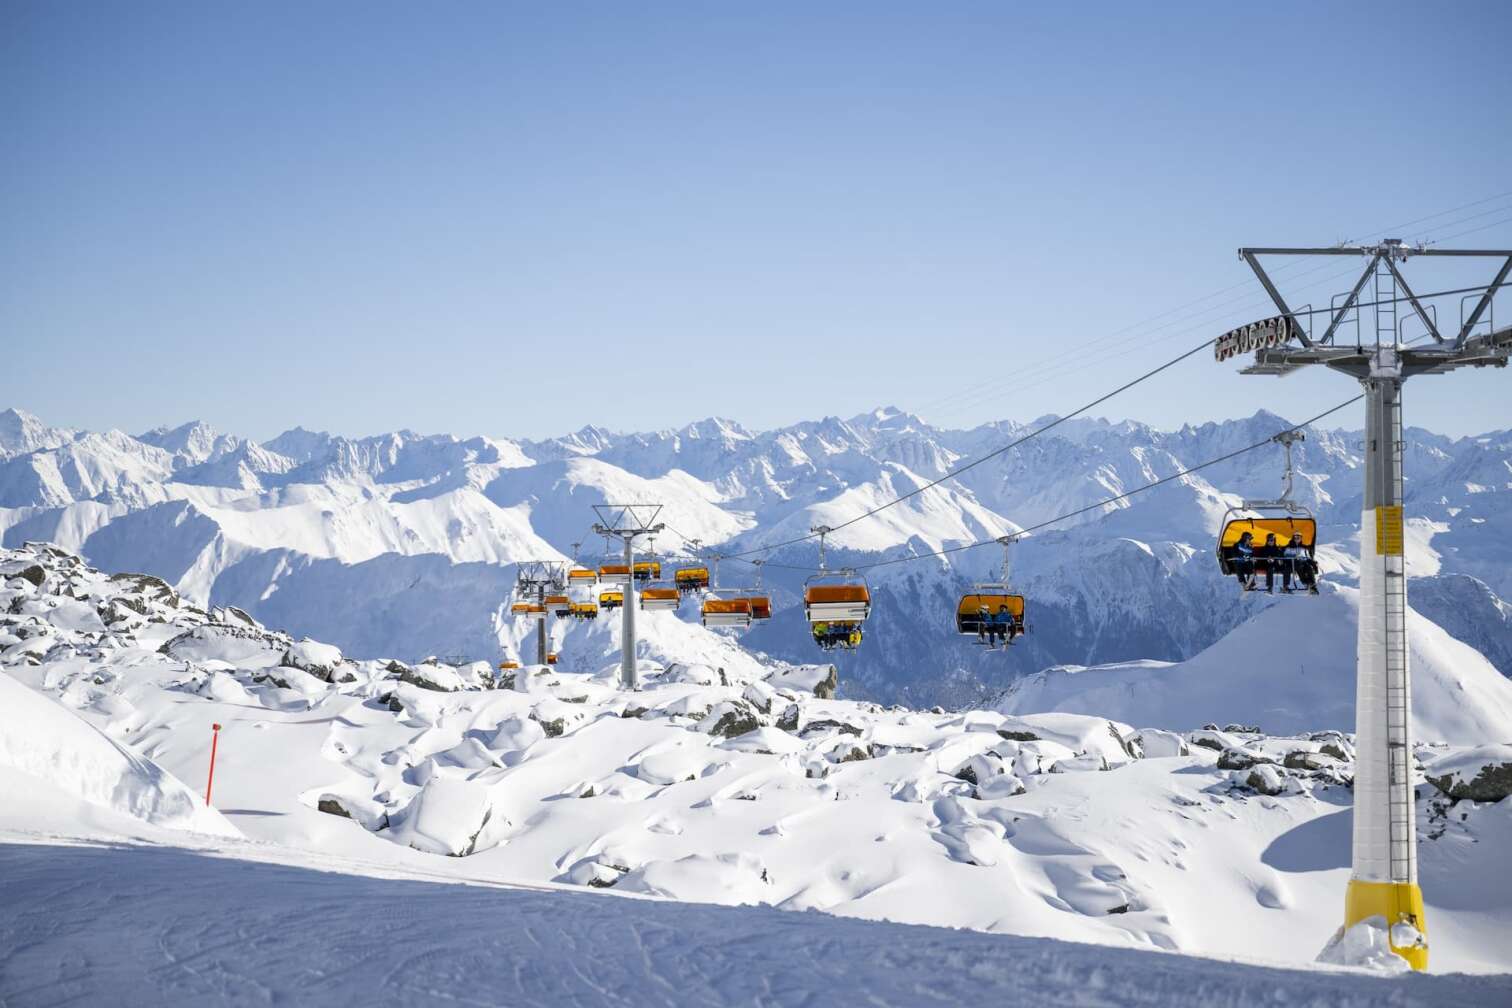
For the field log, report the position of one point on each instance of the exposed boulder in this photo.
(1480, 773)
(320, 660)
(1265, 779)
(1241, 759)
(730, 718)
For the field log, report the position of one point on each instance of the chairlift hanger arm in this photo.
(1412, 299)
(1349, 302)
(1265, 281)
(1484, 302)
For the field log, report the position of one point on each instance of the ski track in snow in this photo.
(135, 925)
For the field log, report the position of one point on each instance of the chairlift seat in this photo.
(992, 598)
(558, 605)
(585, 610)
(690, 579)
(1284, 528)
(847, 602)
(659, 599)
(581, 576)
(731, 612)
(614, 573)
(761, 608)
(611, 599)
(647, 570)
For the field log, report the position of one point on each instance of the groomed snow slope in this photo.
(172, 926)
(1290, 668)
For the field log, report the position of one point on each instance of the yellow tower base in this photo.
(1395, 902)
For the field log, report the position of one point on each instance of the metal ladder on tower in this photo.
(1398, 684)
(1385, 306)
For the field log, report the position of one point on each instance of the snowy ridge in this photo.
(336, 537)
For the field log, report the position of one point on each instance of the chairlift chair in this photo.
(585, 610)
(647, 570)
(582, 576)
(691, 579)
(1283, 516)
(977, 610)
(761, 603)
(558, 605)
(612, 599)
(840, 600)
(659, 598)
(531, 610)
(726, 612)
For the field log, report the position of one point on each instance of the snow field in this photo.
(739, 787)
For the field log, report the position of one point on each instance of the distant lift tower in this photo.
(627, 522)
(535, 579)
(1383, 881)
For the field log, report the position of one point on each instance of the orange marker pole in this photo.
(214, 741)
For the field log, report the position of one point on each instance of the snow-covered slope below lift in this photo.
(170, 925)
(1289, 668)
(45, 747)
(745, 787)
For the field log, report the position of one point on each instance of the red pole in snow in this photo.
(214, 740)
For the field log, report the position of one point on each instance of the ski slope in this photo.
(746, 783)
(175, 925)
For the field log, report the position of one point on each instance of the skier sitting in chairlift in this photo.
(1243, 562)
(1301, 564)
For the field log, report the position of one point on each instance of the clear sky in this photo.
(516, 219)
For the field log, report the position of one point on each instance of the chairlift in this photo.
(836, 603)
(991, 611)
(726, 612)
(1286, 520)
(659, 599)
(612, 569)
(584, 610)
(531, 610)
(691, 579)
(551, 658)
(647, 570)
(724, 608)
(761, 603)
(611, 599)
(558, 605)
(508, 665)
(577, 574)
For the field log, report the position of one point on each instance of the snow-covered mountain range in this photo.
(404, 544)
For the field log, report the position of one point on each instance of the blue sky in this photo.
(518, 219)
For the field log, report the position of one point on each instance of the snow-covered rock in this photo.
(1479, 773)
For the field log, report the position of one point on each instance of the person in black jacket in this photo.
(1269, 557)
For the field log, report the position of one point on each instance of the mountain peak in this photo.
(21, 432)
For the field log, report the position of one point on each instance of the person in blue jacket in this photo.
(1243, 562)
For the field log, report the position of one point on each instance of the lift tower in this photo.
(534, 579)
(627, 522)
(1383, 881)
